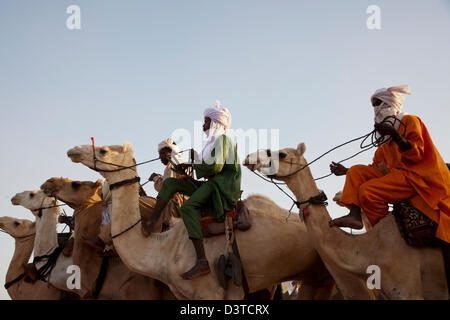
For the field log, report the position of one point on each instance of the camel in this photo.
(120, 282)
(46, 236)
(406, 272)
(274, 249)
(23, 231)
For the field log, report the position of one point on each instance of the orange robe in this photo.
(418, 174)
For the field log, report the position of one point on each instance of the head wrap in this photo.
(106, 193)
(220, 123)
(107, 203)
(392, 97)
(169, 143)
(392, 103)
(219, 115)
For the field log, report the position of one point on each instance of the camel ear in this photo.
(126, 147)
(301, 148)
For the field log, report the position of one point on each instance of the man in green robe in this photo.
(220, 191)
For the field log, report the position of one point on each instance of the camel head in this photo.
(115, 154)
(276, 164)
(74, 193)
(33, 200)
(17, 228)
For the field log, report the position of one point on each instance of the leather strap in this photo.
(124, 182)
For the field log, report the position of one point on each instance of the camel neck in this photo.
(22, 252)
(332, 243)
(46, 235)
(125, 213)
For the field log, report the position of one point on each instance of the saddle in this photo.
(240, 215)
(419, 231)
(415, 227)
(228, 266)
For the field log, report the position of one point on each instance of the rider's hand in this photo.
(338, 169)
(182, 166)
(385, 129)
(153, 176)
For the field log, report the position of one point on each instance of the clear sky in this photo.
(138, 70)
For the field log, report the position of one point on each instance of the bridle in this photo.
(39, 215)
(122, 183)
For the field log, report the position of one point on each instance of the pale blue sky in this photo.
(137, 70)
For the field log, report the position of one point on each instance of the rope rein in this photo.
(321, 198)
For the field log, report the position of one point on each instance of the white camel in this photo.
(46, 240)
(273, 250)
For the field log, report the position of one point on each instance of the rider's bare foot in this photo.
(201, 268)
(348, 221)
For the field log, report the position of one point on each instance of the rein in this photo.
(120, 167)
(321, 198)
(49, 207)
(10, 283)
(373, 144)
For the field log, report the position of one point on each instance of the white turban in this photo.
(107, 203)
(392, 103)
(392, 97)
(219, 115)
(169, 143)
(220, 123)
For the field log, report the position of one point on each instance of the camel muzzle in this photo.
(74, 155)
(250, 166)
(15, 201)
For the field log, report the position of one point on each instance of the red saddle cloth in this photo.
(211, 227)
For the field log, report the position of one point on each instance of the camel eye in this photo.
(76, 185)
(31, 195)
(16, 224)
(103, 152)
(282, 155)
(269, 153)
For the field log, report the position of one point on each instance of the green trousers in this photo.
(190, 210)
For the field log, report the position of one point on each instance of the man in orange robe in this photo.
(406, 165)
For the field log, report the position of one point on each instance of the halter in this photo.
(42, 208)
(120, 167)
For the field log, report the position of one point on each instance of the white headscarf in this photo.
(107, 203)
(392, 103)
(392, 97)
(220, 123)
(169, 143)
